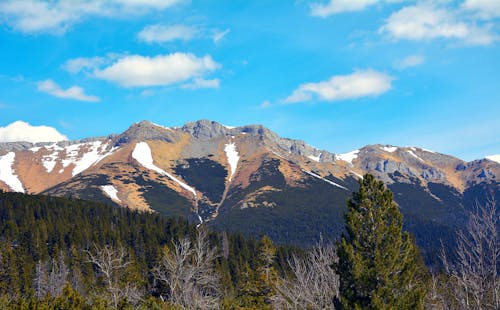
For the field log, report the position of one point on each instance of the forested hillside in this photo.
(46, 242)
(61, 253)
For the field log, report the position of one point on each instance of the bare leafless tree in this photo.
(40, 282)
(110, 262)
(435, 298)
(225, 245)
(314, 284)
(474, 276)
(50, 277)
(189, 272)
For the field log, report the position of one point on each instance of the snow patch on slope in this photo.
(142, 153)
(390, 149)
(111, 191)
(326, 180)
(50, 161)
(315, 158)
(232, 157)
(7, 174)
(357, 174)
(164, 127)
(91, 157)
(72, 156)
(495, 158)
(414, 155)
(348, 157)
(429, 151)
(88, 159)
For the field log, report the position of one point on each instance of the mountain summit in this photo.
(248, 178)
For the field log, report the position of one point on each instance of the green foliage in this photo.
(38, 230)
(379, 264)
(300, 214)
(206, 175)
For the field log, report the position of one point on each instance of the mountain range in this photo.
(251, 180)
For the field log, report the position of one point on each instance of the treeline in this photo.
(59, 253)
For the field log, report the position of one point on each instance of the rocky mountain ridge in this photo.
(247, 178)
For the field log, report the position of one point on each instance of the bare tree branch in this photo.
(474, 277)
(314, 284)
(110, 261)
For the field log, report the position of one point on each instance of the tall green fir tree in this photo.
(380, 266)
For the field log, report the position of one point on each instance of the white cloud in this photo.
(410, 61)
(359, 84)
(339, 6)
(427, 22)
(147, 92)
(265, 104)
(202, 83)
(165, 33)
(219, 35)
(22, 131)
(147, 4)
(484, 8)
(82, 63)
(34, 16)
(74, 92)
(136, 70)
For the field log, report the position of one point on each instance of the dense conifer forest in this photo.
(63, 253)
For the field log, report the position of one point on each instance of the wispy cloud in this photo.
(485, 9)
(426, 21)
(161, 70)
(219, 35)
(84, 64)
(165, 33)
(409, 61)
(74, 92)
(202, 83)
(57, 16)
(362, 83)
(265, 104)
(22, 131)
(339, 6)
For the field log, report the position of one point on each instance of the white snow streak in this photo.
(414, 155)
(7, 173)
(50, 161)
(35, 149)
(495, 158)
(168, 128)
(111, 191)
(348, 157)
(357, 174)
(315, 158)
(429, 151)
(200, 219)
(232, 157)
(390, 149)
(91, 157)
(326, 180)
(142, 153)
(72, 156)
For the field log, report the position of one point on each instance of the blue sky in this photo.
(338, 74)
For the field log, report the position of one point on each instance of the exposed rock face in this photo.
(145, 131)
(267, 184)
(14, 146)
(205, 129)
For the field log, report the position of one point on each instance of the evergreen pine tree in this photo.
(380, 266)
